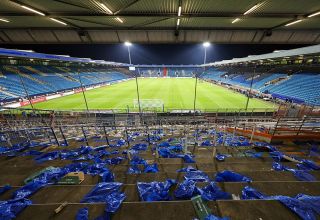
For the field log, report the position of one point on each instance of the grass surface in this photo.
(176, 93)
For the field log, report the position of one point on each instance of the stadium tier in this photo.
(300, 87)
(169, 71)
(40, 80)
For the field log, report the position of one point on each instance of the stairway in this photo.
(8, 93)
(28, 76)
(31, 69)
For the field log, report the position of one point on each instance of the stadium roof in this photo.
(26, 54)
(159, 21)
(304, 51)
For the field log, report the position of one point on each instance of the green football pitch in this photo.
(174, 93)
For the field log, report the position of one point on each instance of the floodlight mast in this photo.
(128, 45)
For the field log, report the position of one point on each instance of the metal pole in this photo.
(63, 136)
(26, 91)
(84, 96)
(253, 74)
(137, 85)
(55, 136)
(106, 136)
(85, 136)
(195, 95)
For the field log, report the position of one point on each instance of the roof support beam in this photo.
(126, 6)
(72, 4)
(173, 15)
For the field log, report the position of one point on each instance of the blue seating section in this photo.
(43, 79)
(171, 72)
(299, 86)
(304, 87)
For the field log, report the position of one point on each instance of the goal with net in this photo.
(148, 104)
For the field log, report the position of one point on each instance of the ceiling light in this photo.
(56, 20)
(4, 20)
(106, 8)
(294, 22)
(253, 8)
(33, 10)
(178, 22)
(119, 19)
(235, 20)
(179, 11)
(314, 14)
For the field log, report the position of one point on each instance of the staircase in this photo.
(8, 93)
(14, 69)
(31, 69)
(67, 76)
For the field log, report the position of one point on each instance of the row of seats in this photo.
(40, 80)
(302, 86)
(170, 72)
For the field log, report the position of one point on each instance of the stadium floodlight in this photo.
(253, 8)
(33, 10)
(206, 44)
(119, 19)
(56, 20)
(293, 22)
(128, 45)
(178, 22)
(235, 20)
(106, 8)
(4, 20)
(179, 11)
(314, 14)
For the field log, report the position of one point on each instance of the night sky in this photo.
(156, 53)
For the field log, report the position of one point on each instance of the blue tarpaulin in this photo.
(4, 189)
(212, 192)
(305, 206)
(197, 176)
(11, 208)
(187, 169)
(108, 193)
(230, 176)
(83, 214)
(186, 190)
(155, 191)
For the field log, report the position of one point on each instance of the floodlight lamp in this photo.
(128, 44)
(206, 44)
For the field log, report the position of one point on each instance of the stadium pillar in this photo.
(253, 74)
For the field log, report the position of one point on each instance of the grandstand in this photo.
(234, 139)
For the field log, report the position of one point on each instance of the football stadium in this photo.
(159, 109)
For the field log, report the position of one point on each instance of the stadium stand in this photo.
(220, 140)
(167, 71)
(133, 168)
(300, 87)
(41, 80)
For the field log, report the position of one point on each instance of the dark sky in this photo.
(156, 53)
